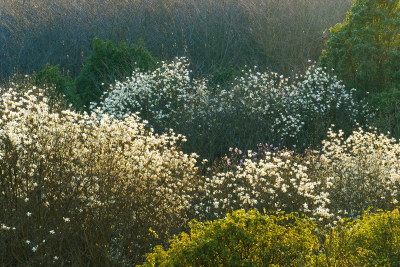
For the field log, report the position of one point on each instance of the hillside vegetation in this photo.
(199, 133)
(212, 34)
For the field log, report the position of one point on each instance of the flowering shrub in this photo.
(324, 100)
(264, 106)
(164, 96)
(372, 240)
(168, 98)
(85, 189)
(242, 239)
(257, 107)
(252, 239)
(277, 181)
(271, 109)
(359, 172)
(346, 177)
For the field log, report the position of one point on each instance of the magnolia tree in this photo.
(165, 97)
(345, 178)
(257, 107)
(80, 188)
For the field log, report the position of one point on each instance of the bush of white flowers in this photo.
(165, 97)
(256, 107)
(296, 113)
(359, 172)
(260, 107)
(83, 189)
(348, 176)
(323, 100)
(276, 181)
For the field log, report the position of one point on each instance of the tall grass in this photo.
(282, 35)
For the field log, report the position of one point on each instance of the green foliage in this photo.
(373, 240)
(364, 50)
(108, 63)
(224, 76)
(51, 76)
(252, 239)
(242, 239)
(388, 104)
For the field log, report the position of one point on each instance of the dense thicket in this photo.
(253, 239)
(213, 35)
(80, 189)
(86, 189)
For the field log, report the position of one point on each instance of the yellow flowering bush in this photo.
(85, 189)
(254, 239)
(242, 239)
(373, 240)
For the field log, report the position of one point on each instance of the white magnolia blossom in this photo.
(280, 110)
(75, 166)
(360, 171)
(348, 176)
(164, 97)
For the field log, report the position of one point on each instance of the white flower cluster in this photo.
(288, 109)
(258, 106)
(165, 97)
(360, 171)
(324, 100)
(277, 182)
(348, 176)
(68, 165)
(267, 97)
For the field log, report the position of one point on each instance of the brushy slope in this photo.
(211, 34)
